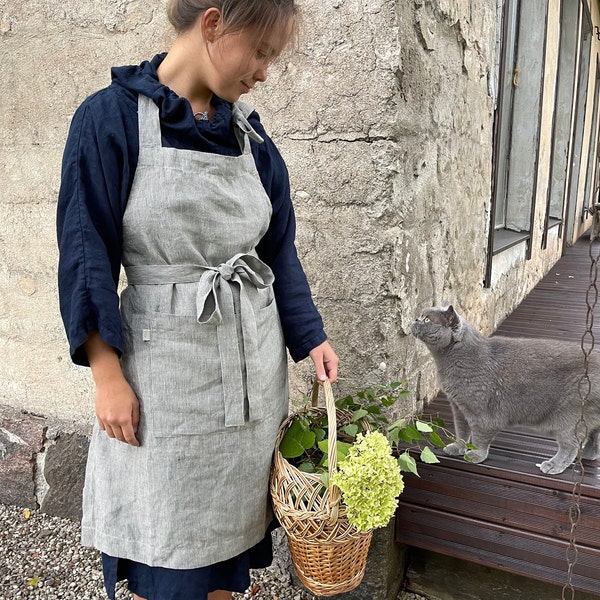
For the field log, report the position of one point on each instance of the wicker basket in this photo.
(329, 554)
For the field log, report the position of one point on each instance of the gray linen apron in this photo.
(204, 353)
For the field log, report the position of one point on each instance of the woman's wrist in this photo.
(103, 359)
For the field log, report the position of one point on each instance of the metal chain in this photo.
(581, 428)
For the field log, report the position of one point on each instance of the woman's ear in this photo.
(211, 24)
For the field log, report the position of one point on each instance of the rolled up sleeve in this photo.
(89, 215)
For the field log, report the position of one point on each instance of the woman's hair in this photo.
(261, 15)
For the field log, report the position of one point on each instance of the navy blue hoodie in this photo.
(98, 168)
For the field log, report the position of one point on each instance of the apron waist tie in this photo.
(215, 306)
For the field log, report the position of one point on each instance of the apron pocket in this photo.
(186, 396)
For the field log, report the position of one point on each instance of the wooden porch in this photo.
(505, 513)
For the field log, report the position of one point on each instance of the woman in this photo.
(167, 173)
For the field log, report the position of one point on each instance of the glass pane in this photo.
(505, 110)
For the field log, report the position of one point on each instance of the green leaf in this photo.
(351, 429)
(324, 478)
(342, 450)
(404, 435)
(407, 463)
(306, 467)
(427, 456)
(359, 414)
(344, 402)
(393, 436)
(409, 433)
(388, 401)
(398, 423)
(374, 409)
(340, 447)
(435, 439)
(423, 427)
(319, 434)
(414, 432)
(296, 440)
(396, 384)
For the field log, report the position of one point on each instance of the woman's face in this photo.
(241, 59)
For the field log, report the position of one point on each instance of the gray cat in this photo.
(494, 383)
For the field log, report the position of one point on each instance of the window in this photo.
(563, 111)
(572, 218)
(517, 126)
(591, 192)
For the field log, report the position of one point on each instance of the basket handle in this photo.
(334, 491)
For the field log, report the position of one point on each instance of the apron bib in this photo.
(205, 355)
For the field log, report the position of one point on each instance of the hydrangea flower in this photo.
(370, 481)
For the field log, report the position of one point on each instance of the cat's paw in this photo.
(477, 456)
(552, 467)
(455, 449)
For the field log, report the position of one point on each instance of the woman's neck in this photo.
(183, 76)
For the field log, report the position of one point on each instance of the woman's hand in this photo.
(118, 410)
(117, 407)
(325, 361)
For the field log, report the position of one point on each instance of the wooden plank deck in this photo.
(504, 513)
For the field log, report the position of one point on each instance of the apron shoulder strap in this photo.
(148, 123)
(241, 111)
(245, 108)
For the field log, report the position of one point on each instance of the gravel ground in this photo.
(41, 558)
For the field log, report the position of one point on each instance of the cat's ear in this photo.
(452, 319)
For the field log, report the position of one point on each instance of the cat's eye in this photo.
(426, 319)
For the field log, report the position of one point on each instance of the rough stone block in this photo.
(21, 438)
(64, 471)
